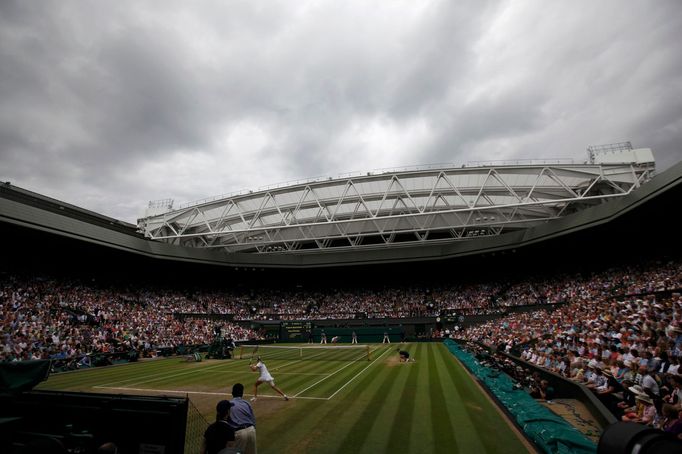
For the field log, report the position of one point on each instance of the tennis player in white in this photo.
(264, 377)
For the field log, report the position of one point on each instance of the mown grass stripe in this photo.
(330, 419)
(314, 427)
(72, 380)
(123, 370)
(345, 366)
(335, 373)
(160, 377)
(377, 415)
(442, 427)
(403, 425)
(467, 438)
(370, 414)
(319, 425)
(482, 412)
(378, 358)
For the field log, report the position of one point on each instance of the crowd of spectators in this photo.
(58, 319)
(44, 317)
(619, 333)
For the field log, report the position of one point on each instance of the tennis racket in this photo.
(254, 356)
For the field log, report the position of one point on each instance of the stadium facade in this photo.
(398, 216)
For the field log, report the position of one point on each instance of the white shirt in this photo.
(264, 374)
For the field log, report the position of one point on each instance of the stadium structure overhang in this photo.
(411, 215)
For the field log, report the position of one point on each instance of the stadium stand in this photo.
(619, 335)
(592, 300)
(50, 318)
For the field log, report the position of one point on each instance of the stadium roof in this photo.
(420, 214)
(402, 207)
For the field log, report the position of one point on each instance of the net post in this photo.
(369, 356)
(300, 352)
(241, 352)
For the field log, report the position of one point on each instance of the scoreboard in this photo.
(454, 318)
(295, 331)
(451, 319)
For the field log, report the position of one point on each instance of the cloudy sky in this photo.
(108, 105)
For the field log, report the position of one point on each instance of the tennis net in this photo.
(332, 353)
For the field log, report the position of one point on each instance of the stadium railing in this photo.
(564, 388)
(571, 389)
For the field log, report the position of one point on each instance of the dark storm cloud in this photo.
(109, 107)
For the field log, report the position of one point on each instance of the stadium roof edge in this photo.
(10, 191)
(25, 208)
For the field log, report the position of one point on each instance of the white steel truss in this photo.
(396, 208)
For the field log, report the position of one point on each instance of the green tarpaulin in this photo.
(22, 376)
(549, 431)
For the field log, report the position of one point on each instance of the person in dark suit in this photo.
(220, 434)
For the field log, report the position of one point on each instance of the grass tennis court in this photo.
(337, 406)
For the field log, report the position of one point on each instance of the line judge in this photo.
(243, 421)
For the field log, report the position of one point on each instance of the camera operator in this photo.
(230, 343)
(541, 390)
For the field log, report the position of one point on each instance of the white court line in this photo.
(196, 392)
(166, 391)
(244, 372)
(323, 379)
(297, 361)
(275, 356)
(356, 375)
(287, 364)
(162, 376)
